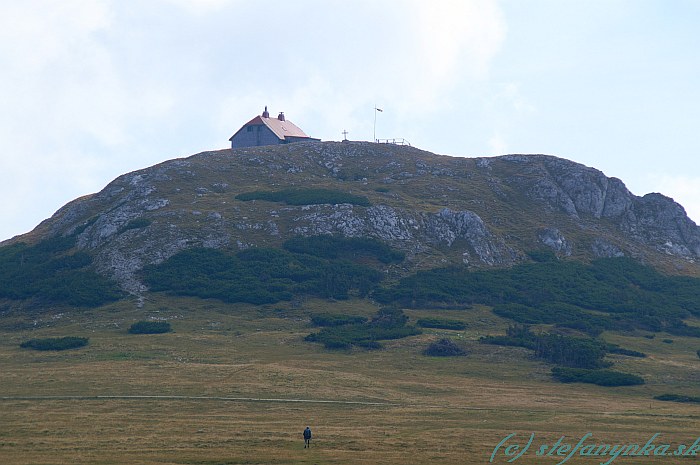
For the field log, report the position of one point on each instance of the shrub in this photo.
(615, 349)
(444, 348)
(370, 345)
(306, 197)
(50, 273)
(327, 319)
(516, 336)
(698, 352)
(349, 248)
(388, 323)
(441, 323)
(150, 327)
(136, 223)
(55, 343)
(625, 294)
(667, 341)
(599, 377)
(542, 255)
(570, 351)
(682, 329)
(389, 317)
(677, 398)
(506, 341)
(258, 275)
(555, 348)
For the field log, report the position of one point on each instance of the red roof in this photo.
(282, 129)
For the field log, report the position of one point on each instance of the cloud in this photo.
(458, 37)
(405, 57)
(497, 144)
(52, 68)
(444, 43)
(35, 34)
(200, 7)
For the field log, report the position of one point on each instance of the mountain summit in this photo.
(438, 210)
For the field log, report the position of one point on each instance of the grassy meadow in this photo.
(237, 384)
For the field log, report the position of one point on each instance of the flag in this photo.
(378, 109)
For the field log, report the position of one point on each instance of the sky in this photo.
(92, 89)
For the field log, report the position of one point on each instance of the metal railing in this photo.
(393, 141)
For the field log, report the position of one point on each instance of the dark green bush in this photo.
(349, 248)
(370, 344)
(667, 341)
(599, 377)
(444, 348)
(55, 343)
(554, 348)
(677, 398)
(136, 223)
(623, 293)
(561, 314)
(570, 351)
(389, 317)
(441, 323)
(387, 324)
(329, 319)
(516, 336)
(507, 341)
(542, 255)
(679, 328)
(50, 272)
(150, 327)
(298, 196)
(258, 276)
(615, 349)
(698, 352)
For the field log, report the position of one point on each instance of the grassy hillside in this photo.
(234, 376)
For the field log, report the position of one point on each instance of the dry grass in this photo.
(437, 411)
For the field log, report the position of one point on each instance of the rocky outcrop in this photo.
(555, 240)
(409, 230)
(570, 187)
(582, 193)
(657, 220)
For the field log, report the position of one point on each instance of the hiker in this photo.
(307, 437)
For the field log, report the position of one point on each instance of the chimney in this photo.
(265, 113)
(281, 116)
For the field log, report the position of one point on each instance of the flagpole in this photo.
(374, 134)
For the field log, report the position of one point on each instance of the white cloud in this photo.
(405, 57)
(200, 6)
(53, 73)
(512, 98)
(497, 144)
(35, 33)
(505, 109)
(446, 43)
(458, 36)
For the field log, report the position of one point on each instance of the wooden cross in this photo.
(345, 134)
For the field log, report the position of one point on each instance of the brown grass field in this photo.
(238, 384)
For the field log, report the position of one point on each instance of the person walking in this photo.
(307, 437)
